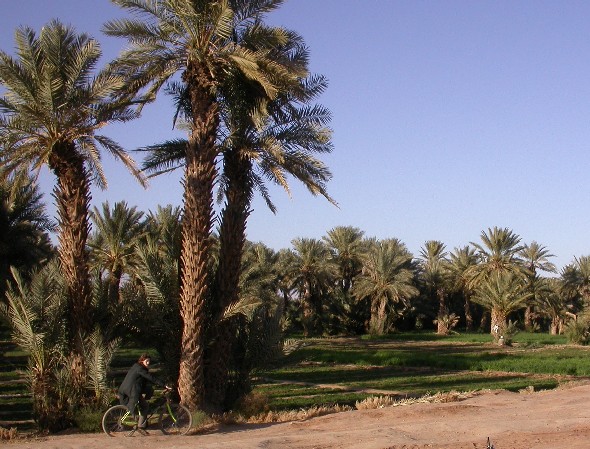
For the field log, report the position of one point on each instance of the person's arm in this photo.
(153, 379)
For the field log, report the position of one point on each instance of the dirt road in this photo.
(556, 419)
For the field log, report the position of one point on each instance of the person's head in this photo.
(145, 360)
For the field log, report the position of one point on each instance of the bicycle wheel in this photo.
(113, 423)
(175, 419)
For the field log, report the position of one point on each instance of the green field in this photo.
(345, 370)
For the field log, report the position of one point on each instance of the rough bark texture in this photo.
(200, 175)
(72, 195)
(498, 321)
(441, 328)
(232, 237)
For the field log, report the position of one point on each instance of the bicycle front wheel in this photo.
(175, 419)
(117, 421)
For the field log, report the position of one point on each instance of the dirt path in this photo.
(556, 419)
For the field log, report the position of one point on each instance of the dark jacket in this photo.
(135, 384)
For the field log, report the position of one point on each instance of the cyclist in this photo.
(136, 389)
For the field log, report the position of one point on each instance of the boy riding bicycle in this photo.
(136, 389)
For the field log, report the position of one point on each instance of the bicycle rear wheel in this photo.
(175, 419)
(113, 423)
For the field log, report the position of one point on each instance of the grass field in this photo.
(345, 370)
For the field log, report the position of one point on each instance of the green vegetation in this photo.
(414, 364)
(342, 371)
(212, 307)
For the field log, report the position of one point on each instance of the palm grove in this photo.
(213, 305)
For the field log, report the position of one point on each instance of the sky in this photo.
(449, 117)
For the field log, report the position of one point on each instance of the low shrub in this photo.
(8, 434)
(89, 420)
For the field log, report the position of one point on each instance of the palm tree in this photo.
(498, 253)
(576, 279)
(387, 279)
(434, 274)
(347, 246)
(313, 273)
(501, 293)
(551, 303)
(52, 110)
(461, 262)
(114, 242)
(24, 227)
(195, 39)
(536, 258)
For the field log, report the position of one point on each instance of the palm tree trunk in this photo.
(200, 173)
(308, 312)
(498, 321)
(468, 314)
(72, 194)
(442, 311)
(114, 286)
(232, 237)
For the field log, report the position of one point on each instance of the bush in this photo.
(253, 403)
(577, 332)
(89, 420)
(8, 434)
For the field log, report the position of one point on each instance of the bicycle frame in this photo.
(154, 408)
(172, 417)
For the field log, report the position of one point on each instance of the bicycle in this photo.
(173, 418)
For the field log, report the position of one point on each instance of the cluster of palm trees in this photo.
(245, 96)
(216, 302)
(346, 283)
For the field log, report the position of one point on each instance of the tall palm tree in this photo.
(536, 258)
(346, 244)
(501, 293)
(461, 262)
(552, 304)
(193, 39)
(497, 253)
(576, 279)
(52, 111)
(114, 242)
(434, 274)
(387, 279)
(24, 227)
(313, 273)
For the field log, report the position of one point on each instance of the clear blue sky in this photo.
(449, 117)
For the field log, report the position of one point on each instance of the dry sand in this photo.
(555, 419)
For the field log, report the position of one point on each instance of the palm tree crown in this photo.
(52, 110)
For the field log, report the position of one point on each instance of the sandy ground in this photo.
(556, 419)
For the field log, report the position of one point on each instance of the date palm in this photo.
(498, 254)
(435, 274)
(576, 279)
(347, 246)
(114, 243)
(313, 273)
(53, 109)
(261, 140)
(536, 258)
(387, 279)
(461, 262)
(502, 293)
(194, 38)
(280, 144)
(24, 228)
